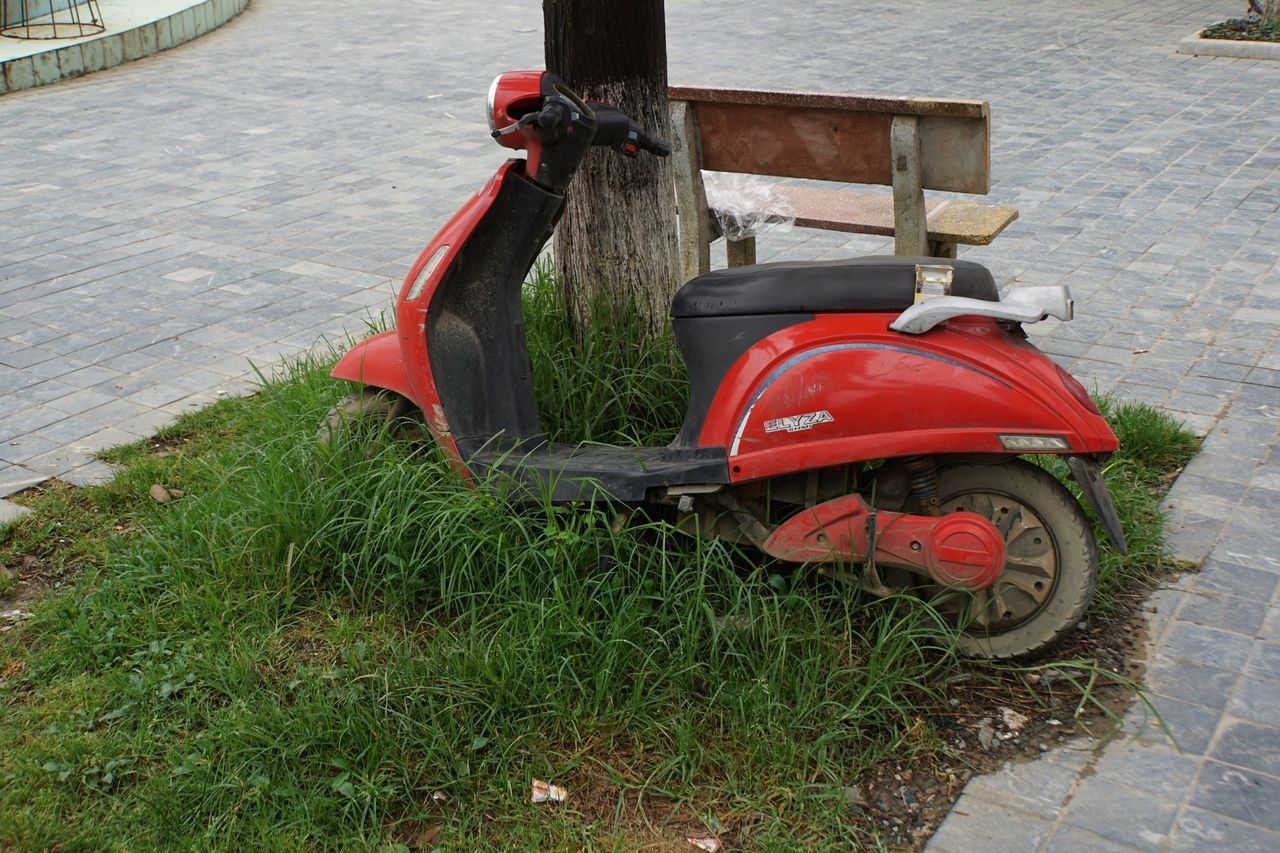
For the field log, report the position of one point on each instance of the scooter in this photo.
(870, 412)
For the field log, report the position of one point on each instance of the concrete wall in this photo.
(60, 60)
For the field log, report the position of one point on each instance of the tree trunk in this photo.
(615, 247)
(1271, 12)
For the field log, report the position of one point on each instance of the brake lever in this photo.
(509, 129)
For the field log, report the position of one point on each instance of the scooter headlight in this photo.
(489, 104)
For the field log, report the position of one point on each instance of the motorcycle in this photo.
(872, 412)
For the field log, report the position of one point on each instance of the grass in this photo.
(379, 656)
(1242, 29)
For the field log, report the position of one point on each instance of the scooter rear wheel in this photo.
(1051, 566)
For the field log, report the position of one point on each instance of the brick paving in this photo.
(261, 190)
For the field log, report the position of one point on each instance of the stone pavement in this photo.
(263, 189)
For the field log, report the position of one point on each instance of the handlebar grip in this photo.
(654, 145)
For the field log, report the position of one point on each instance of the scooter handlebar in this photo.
(653, 144)
(616, 130)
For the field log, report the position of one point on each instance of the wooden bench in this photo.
(910, 144)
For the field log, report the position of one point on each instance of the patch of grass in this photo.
(280, 659)
(616, 385)
(378, 655)
(1153, 449)
(1242, 29)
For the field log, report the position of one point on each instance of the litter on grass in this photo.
(545, 792)
(711, 845)
(1013, 721)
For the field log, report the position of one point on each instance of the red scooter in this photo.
(865, 412)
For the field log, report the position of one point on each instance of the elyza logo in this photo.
(798, 423)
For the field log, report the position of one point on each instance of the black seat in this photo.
(875, 283)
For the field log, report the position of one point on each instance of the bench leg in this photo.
(741, 253)
(696, 224)
(941, 249)
(910, 228)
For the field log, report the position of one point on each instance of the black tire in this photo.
(371, 408)
(1052, 563)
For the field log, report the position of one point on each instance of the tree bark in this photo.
(1271, 12)
(615, 248)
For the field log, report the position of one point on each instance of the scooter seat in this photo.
(873, 283)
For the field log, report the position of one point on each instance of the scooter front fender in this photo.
(845, 388)
(377, 362)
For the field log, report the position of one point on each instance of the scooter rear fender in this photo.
(845, 388)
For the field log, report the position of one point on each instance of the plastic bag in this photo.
(746, 205)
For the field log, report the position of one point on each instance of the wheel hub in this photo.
(965, 550)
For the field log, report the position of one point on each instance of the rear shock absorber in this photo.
(923, 471)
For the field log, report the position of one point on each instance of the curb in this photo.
(117, 47)
(1197, 46)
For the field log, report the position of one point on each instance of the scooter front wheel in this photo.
(369, 407)
(1051, 564)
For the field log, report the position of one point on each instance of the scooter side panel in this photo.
(844, 388)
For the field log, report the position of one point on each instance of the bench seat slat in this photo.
(854, 212)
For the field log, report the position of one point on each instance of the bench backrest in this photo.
(844, 138)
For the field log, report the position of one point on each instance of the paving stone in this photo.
(1257, 699)
(1228, 579)
(979, 825)
(15, 478)
(11, 512)
(1196, 683)
(1248, 745)
(18, 450)
(1241, 794)
(1198, 830)
(1154, 769)
(94, 473)
(1037, 787)
(1069, 839)
(1121, 814)
(1210, 646)
(1190, 726)
(1264, 660)
(1240, 615)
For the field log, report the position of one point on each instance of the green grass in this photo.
(1242, 29)
(283, 660)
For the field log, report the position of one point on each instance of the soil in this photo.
(1242, 29)
(31, 573)
(903, 802)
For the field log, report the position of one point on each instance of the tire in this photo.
(1052, 565)
(370, 408)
